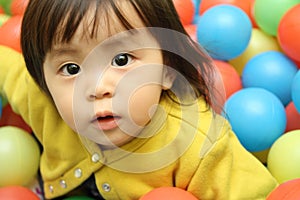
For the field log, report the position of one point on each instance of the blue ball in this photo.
(224, 31)
(296, 91)
(272, 71)
(257, 117)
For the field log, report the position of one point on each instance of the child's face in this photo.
(107, 88)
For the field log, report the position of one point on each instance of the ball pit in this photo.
(224, 31)
(257, 117)
(272, 71)
(264, 37)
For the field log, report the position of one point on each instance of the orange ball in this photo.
(286, 191)
(18, 7)
(293, 117)
(289, 31)
(230, 79)
(245, 5)
(1, 10)
(17, 193)
(185, 10)
(168, 193)
(10, 33)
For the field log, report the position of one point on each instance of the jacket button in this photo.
(95, 157)
(63, 184)
(78, 173)
(106, 187)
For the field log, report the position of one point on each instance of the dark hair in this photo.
(48, 21)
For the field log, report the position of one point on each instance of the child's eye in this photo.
(122, 60)
(70, 69)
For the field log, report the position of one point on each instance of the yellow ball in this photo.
(19, 157)
(284, 157)
(260, 42)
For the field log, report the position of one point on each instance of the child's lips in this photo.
(107, 122)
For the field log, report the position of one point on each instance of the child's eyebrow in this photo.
(59, 51)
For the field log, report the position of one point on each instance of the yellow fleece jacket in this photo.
(200, 154)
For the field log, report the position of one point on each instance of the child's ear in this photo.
(168, 78)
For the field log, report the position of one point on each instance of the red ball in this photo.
(286, 191)
(293, 117)
(289, 31)
(18, 7)
(245, 5)
(10, 33)
(17, 193)
(185, 10)
(168, 193)
(231, 80)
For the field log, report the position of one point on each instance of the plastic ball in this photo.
(18, 7)
(286, 191)
(19, 157)
(268, 13)
(17, 193)
(296, 91)
(10, 33)
(260, 42)
(289, 31)
(78, 198)
(257, 117)
(168, 193)
(284, 157)
(2, 10)
(185, 10)
(293, 117)
(10, 118)
(245, 5)
(6, 5)
(273, 71)
(231, 80)
(224, 31)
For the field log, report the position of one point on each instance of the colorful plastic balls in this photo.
(289, 31)
(257, 117)
(224, 31)
(185, 10)
(19, 157)
(284, 157)
(10, 33)
(259, 42)
(17, 193)
(273, 71)
(18, 7)
(231, 80)
(268, 13)
(296, 91)
(293, 117)
(288, 190)
(168, 193)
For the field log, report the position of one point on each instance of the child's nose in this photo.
(104, 87)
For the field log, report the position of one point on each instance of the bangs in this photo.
(64, 19)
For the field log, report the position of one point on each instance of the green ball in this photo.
(284, 157)
(19, 157)
(268, 13)
(6, 5)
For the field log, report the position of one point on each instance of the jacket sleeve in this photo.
(228, 171)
